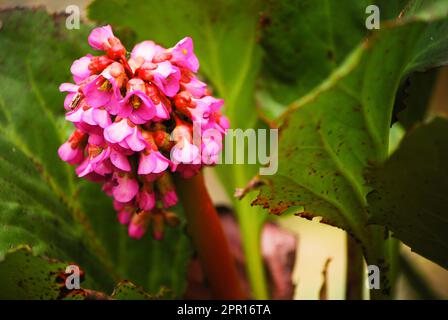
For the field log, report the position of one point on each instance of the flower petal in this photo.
(135, 141)
(126, 189)
(146, 200)
(80, 68)
(183, 54)
(147, 163)
(120, 161)
(146, 49)
(118, 131)
(101, 118)
(99, 36)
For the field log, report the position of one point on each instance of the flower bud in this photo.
(98, 64)
(139, 224)
(157, 224)
(165, 187)
(115, 49)
(171, 219)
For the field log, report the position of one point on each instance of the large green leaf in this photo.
(24, 276)
(306, 40)
(37, 188)
(410, 192)
(42, 203)
(332, 135)
(413, 98)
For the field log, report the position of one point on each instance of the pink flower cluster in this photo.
(136, 117)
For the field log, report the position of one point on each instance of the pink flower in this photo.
(211, 146)
(210, 153)
(72, 151)
(166, 77)
(87, 66)
(166, 189)
(136, 105)
(184, 151)
(118, 131)
(99, 37)
(169, 199)
(82, 113)
(129, 114)
(89, 120)
(102, 38)
(204, 108)
(72, 90)
(200, 113)
(218, 121)
(104, 90)
(223, 123)
(163, 74)
(124, 216)
(136, 231)
(162, 104)
(119, 160)
(69, 154)
(183, 55)
(80, 68)
(152, 161)
(104, 158)
(126, 134)
(139, 224)
(89, 166)
(101, 117)
(146, 50)
(95, 161)
(194, 86)
(146, 199)
(124, 211)
(126, 187)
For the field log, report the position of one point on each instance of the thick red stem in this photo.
(208, 236)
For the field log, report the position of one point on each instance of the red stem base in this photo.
(208, 236)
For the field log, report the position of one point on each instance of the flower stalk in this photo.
(208, 236)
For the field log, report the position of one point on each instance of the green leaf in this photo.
(410, 192)
(306, 40)
(126, 290)
(413, 98)
(30, 277)
(42, 203)
(34, 59)
(332, 135)
(25, 276)
(37, 188)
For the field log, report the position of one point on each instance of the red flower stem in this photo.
(208, 236)
(127, 67)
